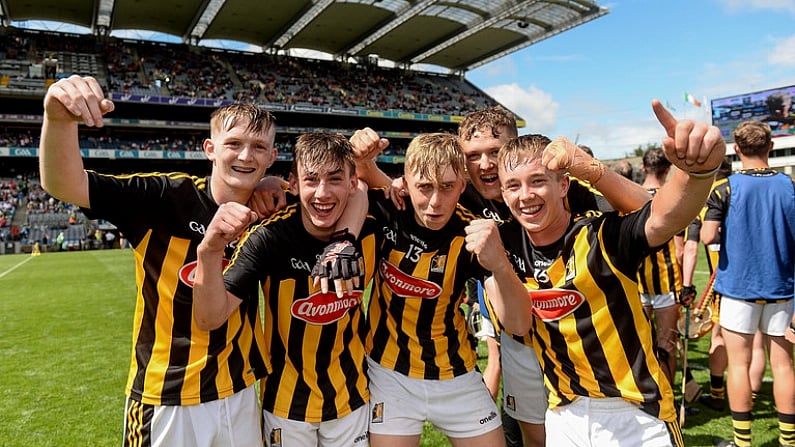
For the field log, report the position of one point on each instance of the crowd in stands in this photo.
(196, 72)
(53, 224)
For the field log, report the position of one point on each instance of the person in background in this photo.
(753, 211)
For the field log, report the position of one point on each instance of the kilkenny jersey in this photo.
(173, 362)
(315, 340)
(756, 208)
(591, 334)
(416, 327)
(580, 198)
(660, 273)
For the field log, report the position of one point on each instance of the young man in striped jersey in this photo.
(482, 134)
(316, 393)
(186, 386)
(420, 359)
(591, 335)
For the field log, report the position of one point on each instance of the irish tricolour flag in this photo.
(692, 100)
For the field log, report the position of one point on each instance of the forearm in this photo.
(689, 258)
(675, 205)
(369, 172)
(211, 305)
(510, 300)
(493, 371)
(355, 211)
(622, 193)
(61, 164)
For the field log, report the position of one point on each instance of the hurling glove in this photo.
(341, 259)
(687, 295)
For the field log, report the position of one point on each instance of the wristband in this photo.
(704, 174)
(792, 327)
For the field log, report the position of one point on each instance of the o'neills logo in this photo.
(554, 304)
(187, 273)
(324, 308)
(404, 285)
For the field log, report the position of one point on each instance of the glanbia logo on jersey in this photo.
(405, 285)
(325, 308)
(554, 304)
(187, 273)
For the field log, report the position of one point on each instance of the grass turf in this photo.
(65, 324)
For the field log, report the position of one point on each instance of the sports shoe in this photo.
(717, 442)
(713, 403)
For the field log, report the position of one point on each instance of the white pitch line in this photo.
(16, 266)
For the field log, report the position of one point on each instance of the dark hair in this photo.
(654, 161)
(322, 150)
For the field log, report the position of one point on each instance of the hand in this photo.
(691, 146)
(562, 154)
(483, 239)
(268, 196)
(396, 192)
(340, 261)
(367, 144)
(229, 222)
(77, 99)
(687, 295)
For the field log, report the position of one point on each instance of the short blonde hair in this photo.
(522, 149)
(429, 154)
(226, 117)
(316, 151)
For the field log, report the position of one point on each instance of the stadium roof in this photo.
(455, 34)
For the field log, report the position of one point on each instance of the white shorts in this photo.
(658, 301)
(746, 317)
(523, 391)
(606, 422)
(460, 407)
(230, 422)
(347, 431)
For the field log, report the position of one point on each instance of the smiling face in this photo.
(533, 193)
(323, 177)
(480, 152)
(241, 148)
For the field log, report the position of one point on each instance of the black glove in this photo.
(341, 259)
(687, 295)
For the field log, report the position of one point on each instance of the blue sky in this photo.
(595, 83)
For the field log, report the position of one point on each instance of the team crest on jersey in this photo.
(378, 413)
(276, 437)
(571, 269)
(438, 263)
(554, 304)
(187, 273)
(324, 308)
(406, 285)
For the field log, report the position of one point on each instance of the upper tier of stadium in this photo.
(455, 34)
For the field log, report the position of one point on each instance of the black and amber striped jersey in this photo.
(416, 326)
(315, 340)
(173, 362)
(591, 334)
(660, 272)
